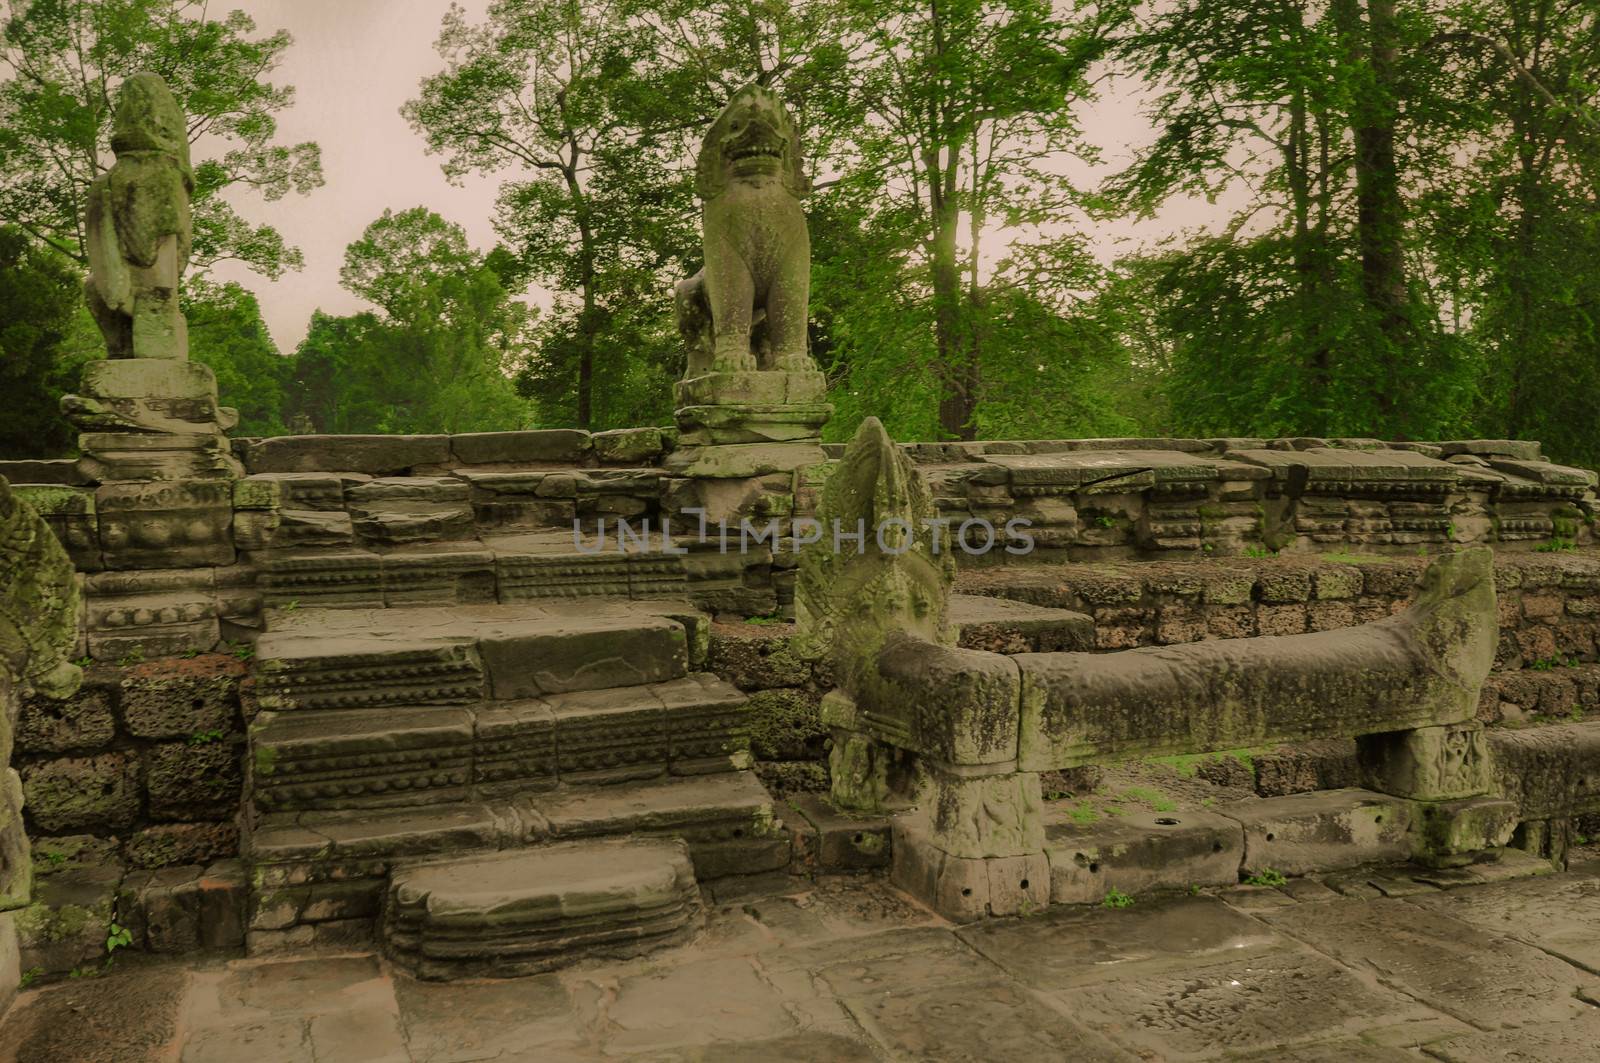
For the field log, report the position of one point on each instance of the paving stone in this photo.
(809, 1047)
(285, 1040)
(1237, 1004)
(1488, 980)
(449, 1022)
(307, 987)
(127, 1016)
(908, 961)
(1347, 1051)
(1560, 915)
(1568, 1042)
(368, 1034)
(979, 1021)
(1073, 946)
(693, 1003)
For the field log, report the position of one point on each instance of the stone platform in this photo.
(847, 970)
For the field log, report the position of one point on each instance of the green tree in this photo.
(41, 316)
(439, 354)
(62, 61)
(965, 110)
(227, 333)
(535, 89)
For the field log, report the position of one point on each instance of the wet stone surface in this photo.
(847, 969)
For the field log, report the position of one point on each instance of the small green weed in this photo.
(1083, 814)
(1105, 521)
(1158, 801)
(84, 661)
(30, 976)
(1115, 898)
(189, 655)
(1259, 551)
(133, 656)
(291, 605)
(205, 738)
(1266, 877)
(1555, 546)
(242, 650)
(119, 937)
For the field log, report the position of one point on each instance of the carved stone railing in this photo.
(961, 736)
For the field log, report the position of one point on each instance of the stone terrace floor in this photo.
(847, 969)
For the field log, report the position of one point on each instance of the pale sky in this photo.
(354, 62)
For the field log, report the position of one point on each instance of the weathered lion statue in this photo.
(746, 309)
(138, 225)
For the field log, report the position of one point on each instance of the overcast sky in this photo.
(354, 62)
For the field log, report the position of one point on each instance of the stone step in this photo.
(521, 913)
(368, 658)
(728, 820)
(353, 758)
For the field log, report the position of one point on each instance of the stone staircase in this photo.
(495, 789)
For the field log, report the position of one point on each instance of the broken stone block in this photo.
(628, 445)
(1450, 833)
(66, 926)
(158, 395)
(69, 793)
(114, 457)
(521, 913)
(439, 574)
(827, 840)
(184, 909)
(1142, 852)
(397, 510)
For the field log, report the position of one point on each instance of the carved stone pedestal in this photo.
(151, 419)
(753, 407)
(1445, 772)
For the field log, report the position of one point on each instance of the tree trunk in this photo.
(1380, 208)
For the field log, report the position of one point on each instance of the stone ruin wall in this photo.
(147, 754)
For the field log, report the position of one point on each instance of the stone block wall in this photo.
(145, 760)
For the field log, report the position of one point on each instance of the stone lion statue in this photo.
(746, 309)
(138, 225)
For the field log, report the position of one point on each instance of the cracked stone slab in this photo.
(691, 1004)
(1482, 978)
(1236, 1004)
(1559, 915)
(977, 1021)
(1570, 1041)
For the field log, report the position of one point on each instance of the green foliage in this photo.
(1115, 898)
(1266, 877)
(118, 937)
(436, 358)
(64, 60)
(205, 738)
(1556, 546)
(43, 334)
(227, 333)
(29, 977)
